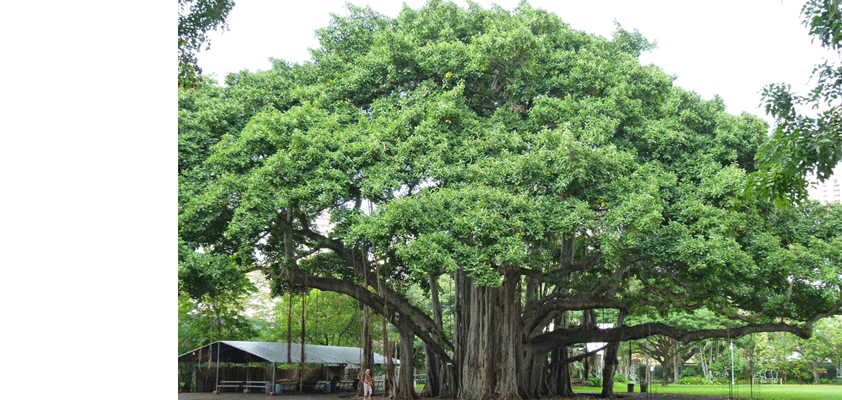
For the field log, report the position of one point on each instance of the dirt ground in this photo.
(347, 396)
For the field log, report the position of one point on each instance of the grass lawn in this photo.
(764, 392)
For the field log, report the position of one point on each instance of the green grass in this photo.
(764, 392)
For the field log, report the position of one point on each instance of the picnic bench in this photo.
(228, 384)
(346, 386)
(378, 384)
(288, 386)
(264, 386)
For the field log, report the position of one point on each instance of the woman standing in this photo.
(367, 385)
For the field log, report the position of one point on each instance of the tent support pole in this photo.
(217, 366)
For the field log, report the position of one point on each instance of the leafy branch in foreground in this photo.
(802, 144)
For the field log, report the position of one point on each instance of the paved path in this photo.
(350, 396)
(262, 396)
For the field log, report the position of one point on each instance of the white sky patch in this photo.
(595, 345)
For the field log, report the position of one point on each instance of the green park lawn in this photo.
(764, 392)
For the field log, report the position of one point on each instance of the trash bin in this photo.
(643, 387)
(631, 387)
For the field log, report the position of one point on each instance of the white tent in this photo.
(235, 351)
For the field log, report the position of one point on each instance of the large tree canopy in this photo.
(543, 168)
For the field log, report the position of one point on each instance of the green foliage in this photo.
(691, 371)
(210, 319)
(212, 275)
(825, 345)
(331, 319)
(803, 144)
(696, 380)
(823, 18)
(213, 294)
(195, 19)
(480, 140)
(777, 392)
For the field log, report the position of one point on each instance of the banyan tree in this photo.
(543, 169)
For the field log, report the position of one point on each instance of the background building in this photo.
(829, 190)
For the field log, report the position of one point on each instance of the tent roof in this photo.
(244, 352)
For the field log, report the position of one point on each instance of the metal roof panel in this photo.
(276, 352)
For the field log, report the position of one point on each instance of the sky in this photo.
(730, 48)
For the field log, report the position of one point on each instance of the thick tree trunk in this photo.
(289, 328)
(406, 381)
(478, 368)
(440, 380)
(533, 374)
(610, 360)
(559, 380)
(492, 340)
(533, 383)
(303, 329)
(559, 377)
(664, 366)
(610, 363)
(511, 336)
(815, 372)
(586, 368)
(389, 379)
(588, 318)
(433, 368)
(460, 327)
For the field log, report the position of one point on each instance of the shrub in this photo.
(595, 382)
(700, 380)
(619, 378)
(693, 380)
(691, 371)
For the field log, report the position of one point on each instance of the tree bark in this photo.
(642, 331)
(433, 367)
(533, 382)
(389, 379)
(610, 361)
(511, 336)
(815, 370)
(676, 367)
(289, 328)
(303, 331)
(406, 386)
(368, 354)
(532, 374)
(481, 351)
(561, 385)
